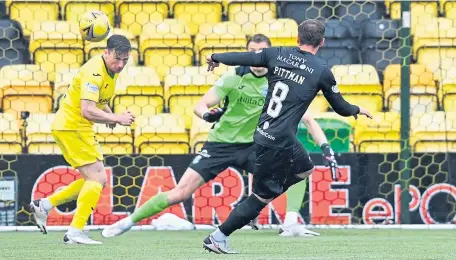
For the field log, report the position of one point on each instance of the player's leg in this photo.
(41, 207)
(269, 178)
(213, 159)
(295, 187)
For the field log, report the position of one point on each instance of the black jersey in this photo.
(294, 78)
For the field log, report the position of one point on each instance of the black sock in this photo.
(246, 211)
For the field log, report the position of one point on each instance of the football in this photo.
(94, 26)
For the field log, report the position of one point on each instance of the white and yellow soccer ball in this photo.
(94, 26)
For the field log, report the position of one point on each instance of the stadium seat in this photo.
(134, 14)
(340, 45)
(25, 88)
(360, 84)
(358, 12)
(250, 13)
(12, 44)
(318, 105)
(184, 86)
(39, 135)
(448, 9)
(378, 135)
(114, 141)
(63, 79)
(302, 10)
(198, 12)
(283, 32)
(166, 44)
(380, 43)
(199, 133)
(161, 134)
(433, 132)
(423, 88)
(56, 45)
(421, 12)
(221, 37)
(10, 137)
(447, 90)
(336, 128)
(28, 13)
(97, 48)
(73, 10)
(138, 90)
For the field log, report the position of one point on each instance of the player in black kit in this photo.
(295, 77)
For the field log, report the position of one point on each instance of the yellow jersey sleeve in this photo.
(90, 86)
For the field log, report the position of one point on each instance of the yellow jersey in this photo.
(92, 82)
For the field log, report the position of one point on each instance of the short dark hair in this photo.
(118, 43)
(257, 38)
(311, 32)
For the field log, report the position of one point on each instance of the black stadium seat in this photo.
(13, 48)
(380, 43)
(340, 46)
(302, 10)
(358, 11)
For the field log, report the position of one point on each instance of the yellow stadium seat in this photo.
(250, 13)
(73, 10)
(134, 14)
(378, 135)
(197, 12)
(97, 48)
(114, 141)
(29, 12)
(161, 134)
(199, 133)
(423, 88)
(35, 103)
(166, 44)
(433, 132)
(221, 37)
(282, 31)
(56, 45)
(360, 84)
(448, 8)
(184, 86)
(138, 90)
(10, 137)
(436, 32)
(39, 135)
(439, 59)
(421, 12)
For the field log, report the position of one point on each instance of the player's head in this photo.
(256, 43)
(117, 53)
(311, 34)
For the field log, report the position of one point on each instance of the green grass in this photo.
(170, 245)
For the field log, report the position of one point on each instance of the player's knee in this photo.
(179, 194)
(305, 174)
(94, 172)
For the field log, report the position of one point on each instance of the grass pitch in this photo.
(265, 244)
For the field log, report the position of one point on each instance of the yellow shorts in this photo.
(78, 148)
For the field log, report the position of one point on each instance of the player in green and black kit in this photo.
(230, 141)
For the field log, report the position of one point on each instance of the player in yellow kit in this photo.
(85, 103)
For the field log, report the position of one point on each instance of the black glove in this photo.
(213, 115)
(329, 159)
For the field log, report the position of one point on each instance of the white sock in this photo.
(73, 231)
(218, 235)
(291, 218)
(47, 206)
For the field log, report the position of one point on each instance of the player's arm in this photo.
(90, 93)
(108, 110)
(331, 92)
(256, 59)
(217, 93)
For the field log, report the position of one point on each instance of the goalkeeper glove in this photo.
(213, 115)
(329, 159)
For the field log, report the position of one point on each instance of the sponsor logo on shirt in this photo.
(335, 89)
(92, 87)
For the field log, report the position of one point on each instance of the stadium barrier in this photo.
(364, 193)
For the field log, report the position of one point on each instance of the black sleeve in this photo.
(256, 59)
(328, 85)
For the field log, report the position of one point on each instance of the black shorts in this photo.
(216, 157)
(275, 169)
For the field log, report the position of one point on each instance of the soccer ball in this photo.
(94, 26)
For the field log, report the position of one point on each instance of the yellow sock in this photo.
(67, 194)
(87, 200)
